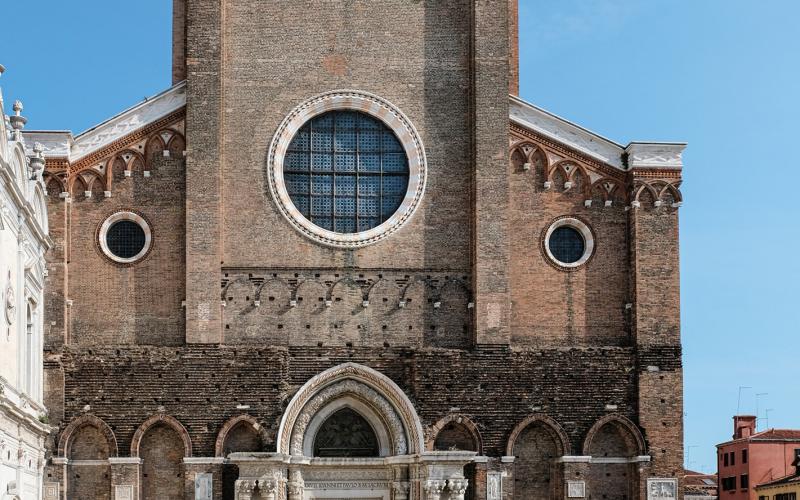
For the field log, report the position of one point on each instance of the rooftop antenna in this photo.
(767, 413)
(689, 454)
(739, 401)
(758, 395)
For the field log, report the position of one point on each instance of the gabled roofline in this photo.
(62, 144)
(637, 154)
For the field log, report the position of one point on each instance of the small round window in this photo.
(125, 237)
(568, 243)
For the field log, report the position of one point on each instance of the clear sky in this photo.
(722, 75)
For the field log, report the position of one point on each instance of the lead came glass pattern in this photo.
(125, 239)
(346, 171)
(566, 244)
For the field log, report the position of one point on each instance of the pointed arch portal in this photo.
(351, 432)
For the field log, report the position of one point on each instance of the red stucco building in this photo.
(752, 458)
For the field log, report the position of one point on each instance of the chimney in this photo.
(744, 426)
(513, 47)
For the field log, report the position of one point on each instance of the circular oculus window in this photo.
(347, 168)
(568, 242)
(125, 237)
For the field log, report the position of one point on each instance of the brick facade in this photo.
(548, 375)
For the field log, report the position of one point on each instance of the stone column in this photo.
(125, 474)
(59, 472)
(296, 486)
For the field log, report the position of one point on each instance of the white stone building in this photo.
(23, 243)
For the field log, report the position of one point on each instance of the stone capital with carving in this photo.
(434, 488)
(457, 487)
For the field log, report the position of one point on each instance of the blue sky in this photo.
(720, 74)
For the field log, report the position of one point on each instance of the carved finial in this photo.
(17, 121)
(37, 160)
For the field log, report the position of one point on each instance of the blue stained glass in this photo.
(369, 186)
(566, 244)
(346, 185)
(369, 140)
(345, 162)
(297, 183)
(360, 171)
(321, 206)
(321, 162)
(322, 184)
(322, 140)
(345, 140)
(301, 141)
(395, 162)
(323, 222)
(297, 160)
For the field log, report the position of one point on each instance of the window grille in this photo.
(125, 239)
(346, 171)
(567, 244)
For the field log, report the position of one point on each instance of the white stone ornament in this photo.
(376, 107)
(494, 486)
(662, 489)
(576, 489)
(203, 486)
(10, 301)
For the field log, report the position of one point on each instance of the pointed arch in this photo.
(232, 423)
(66, 437)
(623, 424)
(456, 419)
(375, 396)
(161, 419)
(552, 425)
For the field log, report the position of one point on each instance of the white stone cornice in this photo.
(61, 144)
(655, 155)
(124, 461)
(205, 460)
(563, 131)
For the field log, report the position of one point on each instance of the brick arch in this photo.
(230, 425)
(627, 426)
(464, 421)
(558, 431)
(65, 440)
(168, 421)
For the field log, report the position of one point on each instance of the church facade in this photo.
(23, 243)
(340, 259)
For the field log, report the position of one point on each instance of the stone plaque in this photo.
(662, 489)
(494, 486)
(50, 491)
(576, 489)
(123, 492)
(203, 486)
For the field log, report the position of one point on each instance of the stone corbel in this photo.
(434, 488)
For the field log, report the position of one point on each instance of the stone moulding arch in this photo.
(387, 443)
(219, 446)
(65, 440)
(626, 424)
(435, 429)
(362, 382)
(558, 431)
(168, 421)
